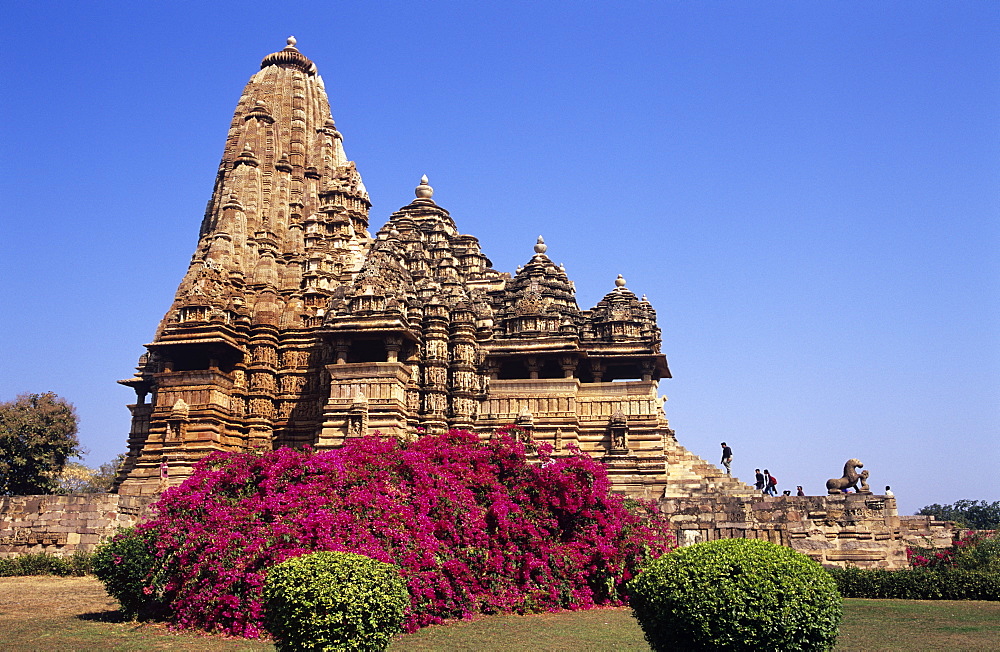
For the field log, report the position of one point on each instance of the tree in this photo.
(77, 478)
(37, 436)
(972, 514)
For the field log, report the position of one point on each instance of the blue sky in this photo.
(807, 192)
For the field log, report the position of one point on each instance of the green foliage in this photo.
(972, 514)
(37, 436)
(334, 601)
(981, 553)
(736, 594)
(917, 584)
(44, 563)
(123, 564)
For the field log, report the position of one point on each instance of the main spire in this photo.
(288, 215)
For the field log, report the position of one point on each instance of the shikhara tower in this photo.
(295, 325)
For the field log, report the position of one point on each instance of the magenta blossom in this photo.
(476, 527)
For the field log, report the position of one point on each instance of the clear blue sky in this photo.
(807, 192)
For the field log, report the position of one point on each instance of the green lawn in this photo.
(59, 613)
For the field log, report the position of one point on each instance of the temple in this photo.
(295, 325)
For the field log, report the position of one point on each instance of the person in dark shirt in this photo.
(759, 483)
(770, 484)
(799, 491)
(727, 458)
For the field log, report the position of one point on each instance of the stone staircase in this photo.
(690, 476)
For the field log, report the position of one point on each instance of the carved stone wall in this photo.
(840, 530)
(64, 524)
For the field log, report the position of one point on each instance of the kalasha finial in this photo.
(291, 41)
(540, 246)
(620, 281)
(424, 191)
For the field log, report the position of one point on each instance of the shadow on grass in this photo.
(115, 616)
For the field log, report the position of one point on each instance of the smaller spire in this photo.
(246, 157)
(424, 191)
(540, 246)
(620, 281)
(291, 42)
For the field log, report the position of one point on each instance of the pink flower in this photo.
(474, 526)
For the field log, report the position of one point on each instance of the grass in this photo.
(74, 613)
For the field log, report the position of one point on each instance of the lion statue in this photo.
(848, 481)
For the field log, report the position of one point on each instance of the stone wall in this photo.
(841, 530)
(63, 524)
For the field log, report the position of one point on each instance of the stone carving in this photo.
(849, 479)
(357, 417)
(618, 427)
(863, 479)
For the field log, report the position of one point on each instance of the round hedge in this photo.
(334, 601)
(736, 594)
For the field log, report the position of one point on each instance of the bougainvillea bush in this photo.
(474, 527)
(970, 550)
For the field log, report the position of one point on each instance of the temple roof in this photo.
(284, 244)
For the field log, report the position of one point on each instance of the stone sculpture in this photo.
(864, 488)
(849, 480)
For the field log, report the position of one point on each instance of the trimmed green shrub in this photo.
(45, 563)
(917, 584)
(736, 594)
(334, 601)
(124, 563)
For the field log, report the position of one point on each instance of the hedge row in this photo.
(44, 563)
(949, 584)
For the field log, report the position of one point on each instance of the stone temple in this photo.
(296, 325)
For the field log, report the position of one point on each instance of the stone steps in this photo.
(691, 475)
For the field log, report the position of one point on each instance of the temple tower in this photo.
(294, 326)
(285, 227)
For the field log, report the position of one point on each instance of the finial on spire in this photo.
(289, 57)
(424, 191)
(540, 246)
(620, 281)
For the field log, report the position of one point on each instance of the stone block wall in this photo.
(842, 530)
(62, 525)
